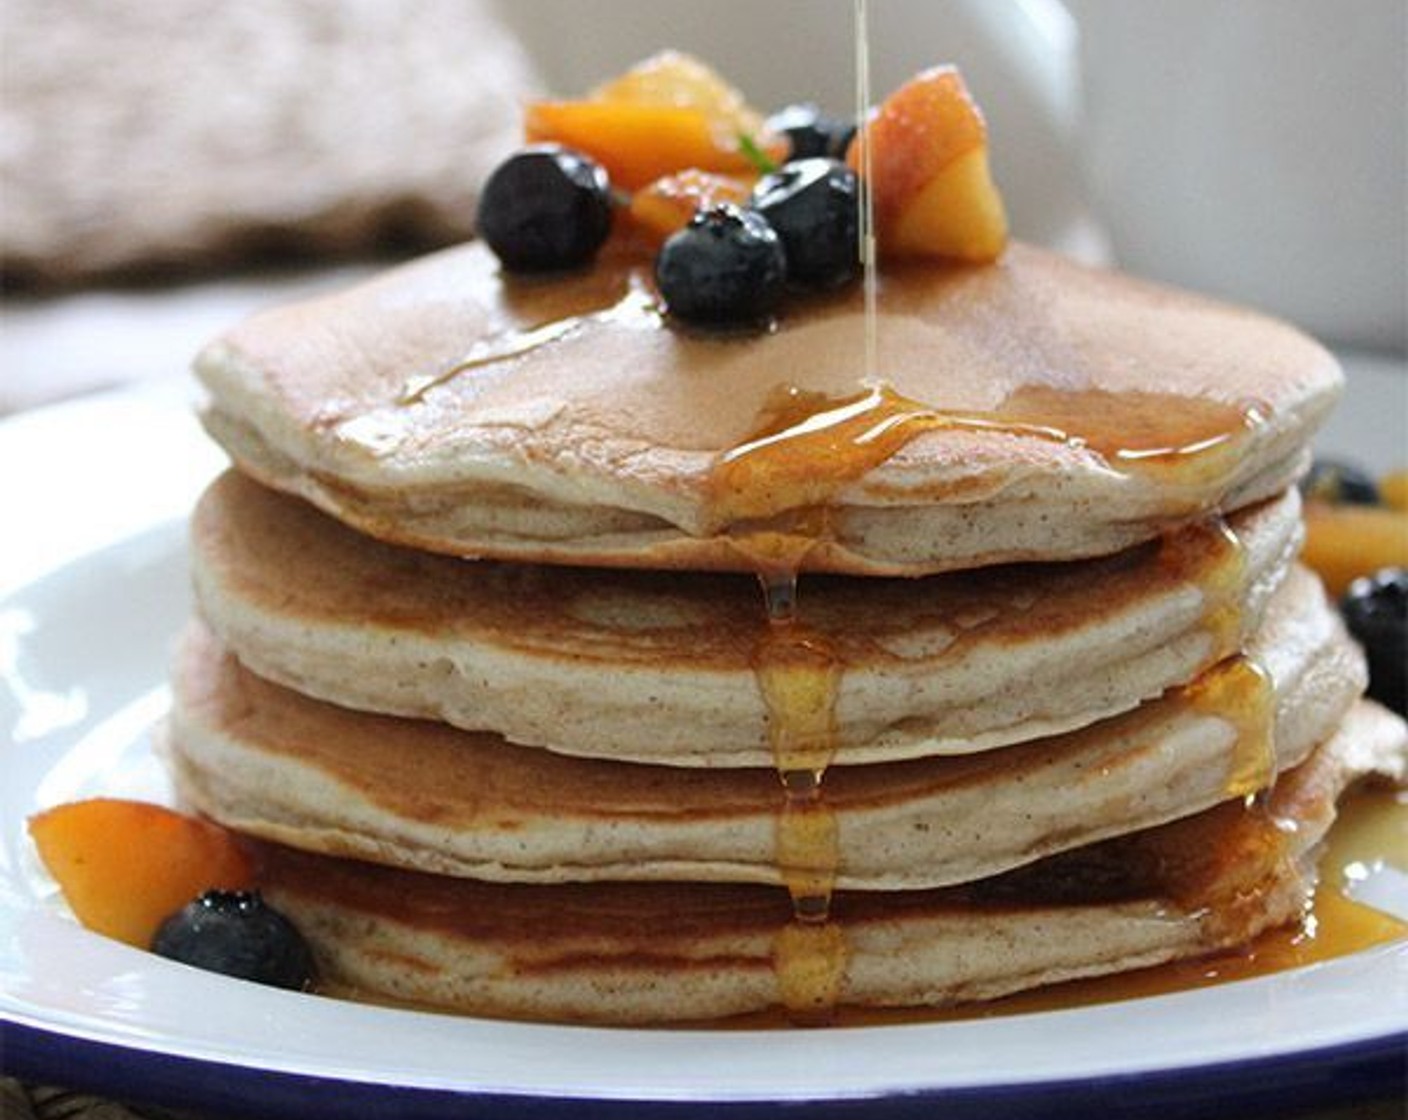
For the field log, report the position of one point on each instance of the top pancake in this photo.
(1028, 410)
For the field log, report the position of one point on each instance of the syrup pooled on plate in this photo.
(1370, 837)
(1371, 831)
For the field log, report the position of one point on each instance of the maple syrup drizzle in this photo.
(1240, 691)
(870, 275)
(1209, 554)
(775, 472)
(769, 497)
(1369, 833)
(799, 672)
(773, 501)
(637, 307)
(798, 669)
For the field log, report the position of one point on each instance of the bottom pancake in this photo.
(661, 952)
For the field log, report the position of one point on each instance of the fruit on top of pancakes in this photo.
(814, 206)
(1340, 483)
(1393, 488)
(666, 114)
(727, 266)
(1355, 526)
(673, 131)
(933, 191)
(1376, 610)
(238, 934)
(811, 132)
(545, 208)
(1344, 542)
(667, 205)
(124, 866)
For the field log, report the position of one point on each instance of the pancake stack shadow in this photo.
(635, 677)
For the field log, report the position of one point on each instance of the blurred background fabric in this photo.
(140, 138)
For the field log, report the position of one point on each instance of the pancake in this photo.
(269, 762)
(660, 667)
(636, 953)
(1032, 409)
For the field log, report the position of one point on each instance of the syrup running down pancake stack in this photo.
(1033, 688)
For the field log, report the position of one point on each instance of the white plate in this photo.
(92, 591)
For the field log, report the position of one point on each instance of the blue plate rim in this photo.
(1374, 1069)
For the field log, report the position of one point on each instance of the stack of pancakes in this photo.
(563, 664)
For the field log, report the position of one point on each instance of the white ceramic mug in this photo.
(1256, 149)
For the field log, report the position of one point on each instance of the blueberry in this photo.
(814, 206)
(238, 934)
(726, 267)
(545, 208)
(1341, 483)
(1376, 610)
(812, 133)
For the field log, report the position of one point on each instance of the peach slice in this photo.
(125, 866)
(932, 187)
(667, 204)
(1344, 542)
(666, 114)
(1394, 489)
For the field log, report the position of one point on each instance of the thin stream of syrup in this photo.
(1208, 555)
(799, 674)
(870, 276)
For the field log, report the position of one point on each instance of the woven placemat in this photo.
(36, 1102)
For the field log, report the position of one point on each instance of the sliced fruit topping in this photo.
(1394, 488)
(811, 133)
(123, 866)
(933, 191)
(238, 934)
(1345, 542)
(669, 113)
(1376, 610)
(545, 208)
(667, 205)
(727, 267)
(813, 204)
